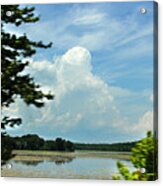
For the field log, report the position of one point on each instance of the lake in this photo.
(78, 165)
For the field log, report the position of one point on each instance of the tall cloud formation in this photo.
(82, 99)
(80, 96)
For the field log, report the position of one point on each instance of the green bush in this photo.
(144, 155)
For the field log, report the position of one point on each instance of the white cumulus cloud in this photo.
(82, 99)
(80, 96)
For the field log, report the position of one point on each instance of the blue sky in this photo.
(100, 69)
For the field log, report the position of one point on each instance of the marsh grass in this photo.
(41, 155)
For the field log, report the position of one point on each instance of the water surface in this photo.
(86, 167)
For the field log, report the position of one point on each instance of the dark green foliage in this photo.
(14, 49)
(69, 146)
(34, 142)
(10, 122)
(126, 146)
(49, 145)
(144, 155)
(19, 16)
(7, 144)
(60, 144)
(30, 142)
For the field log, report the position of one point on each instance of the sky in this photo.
(100, 69)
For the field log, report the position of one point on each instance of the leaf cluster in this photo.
(144, 155)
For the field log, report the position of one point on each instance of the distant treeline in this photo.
(34, 142)
(127, 146)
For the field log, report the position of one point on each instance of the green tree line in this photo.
(125, 146)
(34, 142)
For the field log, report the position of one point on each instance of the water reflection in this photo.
(62, 166)
(57, 161)
(61, 161)
(28, 162)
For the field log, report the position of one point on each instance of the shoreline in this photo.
(37, 155)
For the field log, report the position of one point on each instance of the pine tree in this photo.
(14, 49)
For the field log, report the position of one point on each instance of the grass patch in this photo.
(41, 155)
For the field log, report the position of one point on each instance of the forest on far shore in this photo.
(34, 142)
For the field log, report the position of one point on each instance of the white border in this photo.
(62, 1)
(57, 182)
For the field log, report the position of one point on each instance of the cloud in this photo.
(87, 87)
(79, 93)
(144, 124)
(81, 98)
(93, 27)
(89, 19)
(83, 101)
